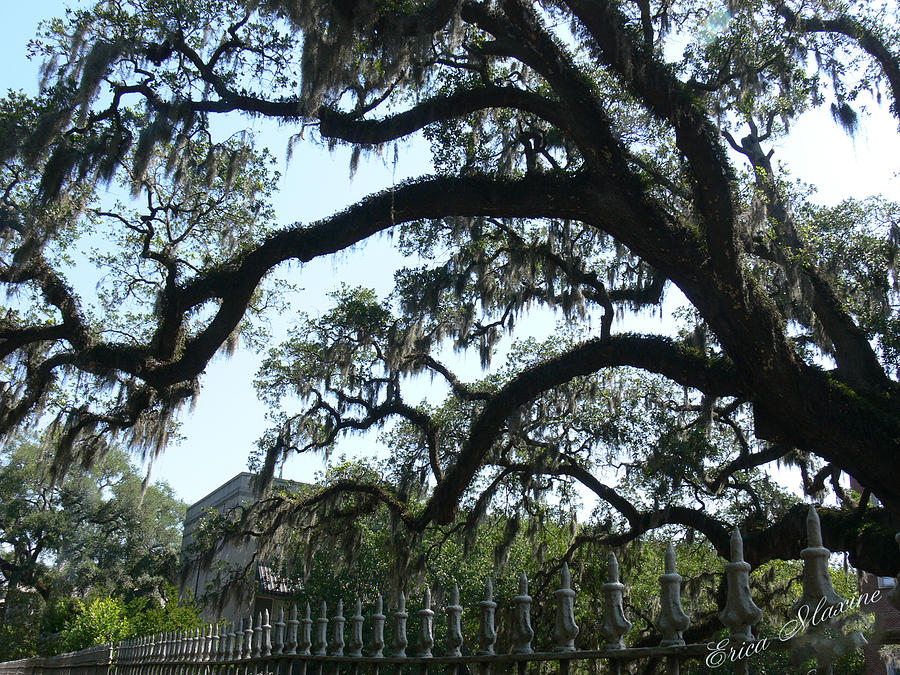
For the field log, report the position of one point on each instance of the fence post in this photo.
(819, 598)
(426, 621)
(266, 637)
(293, 623)
(378, 618)
(740, 612)
(615, 625)
(522, 632)
(672, 619)
(338, 632)
(565, 630)
(356, 630)
(454, 629)
(279, 633)
(306, 640)
(400, 642)
(321, 645)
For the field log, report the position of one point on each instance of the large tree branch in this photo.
(867, 537)
(856, 359)
(660, 355)
(347, 127)
(671, 101)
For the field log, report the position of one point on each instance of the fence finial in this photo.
(356, 628)
(185, 645)
(740, 612)
(454, 629)
(278, 647)
(229, 644)
(615, 625)
(400, 616)
(338, 620)
(817, 587)
(306, 632)
(426, 623)
(266, 634)
(522, 632)
(194, 645)
(320, 648)
(208, 651)
(292, 624)
(819, 598)
(248, 637)
(378, 618)
(257, 636)
(237, 640)
(672, 619)
(215, 649)
(565, 631)
(487, 634)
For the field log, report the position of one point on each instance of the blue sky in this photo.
(228, 417)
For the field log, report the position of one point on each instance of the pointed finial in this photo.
(379, 604)
(565, 576)
(670, 558)
(523, 584)
(737, 546)
(613, 568)
(813, 528)
(489, 590)
(454, 596)
(427, 603)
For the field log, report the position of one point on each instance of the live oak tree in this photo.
(98, 535)
(591, 156)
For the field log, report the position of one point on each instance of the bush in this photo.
(105, 619)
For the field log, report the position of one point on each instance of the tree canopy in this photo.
(99, 535)
(590, 157)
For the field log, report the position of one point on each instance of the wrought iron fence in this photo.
(302, 644)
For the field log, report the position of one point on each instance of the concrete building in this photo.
(261, 587)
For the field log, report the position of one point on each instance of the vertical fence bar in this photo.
(338, 621)
(565, 630)
(378, 619)
(615, 625)
(356, 631)
(320, 647)
(278, 646)
(426, 624)
(257, 636)
(487, 633)
(672, 619)
(266, 638)
(454, 640)
(819, 597)
(400, 616)
(740, 612)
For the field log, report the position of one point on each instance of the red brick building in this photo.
(886, 617)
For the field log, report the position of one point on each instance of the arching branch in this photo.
(655, 354)
(347, 127)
